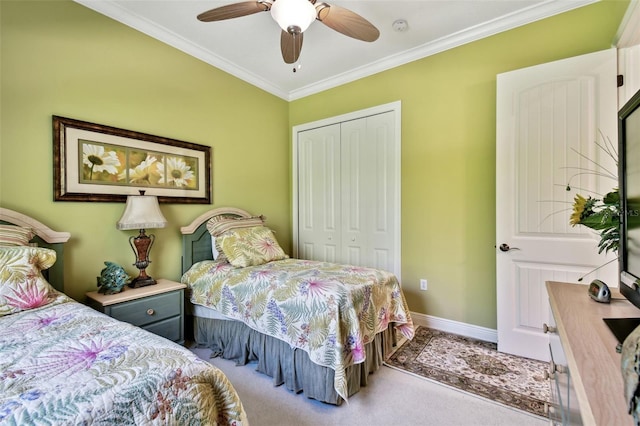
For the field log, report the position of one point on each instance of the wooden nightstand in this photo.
(157, 308)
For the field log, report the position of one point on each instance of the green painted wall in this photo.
(61, 58)
(448, 151)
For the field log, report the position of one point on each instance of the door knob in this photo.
(505, 247)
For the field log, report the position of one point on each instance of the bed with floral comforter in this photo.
(64, 363)
(329, 310)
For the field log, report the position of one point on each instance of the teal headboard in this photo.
(196, 240)
(45, 237)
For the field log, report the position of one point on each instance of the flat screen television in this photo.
(629, 175)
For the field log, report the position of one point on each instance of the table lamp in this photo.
(141, 212)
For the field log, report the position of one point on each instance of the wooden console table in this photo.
(590, 350)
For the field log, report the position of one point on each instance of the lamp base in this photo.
(142, 282)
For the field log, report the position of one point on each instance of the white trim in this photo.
(628, 64)
(468, 35)
(526, 16)
(455, 327)
(140, 23)
(396, 108)
(354, 115)
(629, 30)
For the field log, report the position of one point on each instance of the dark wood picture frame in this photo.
(94, 162)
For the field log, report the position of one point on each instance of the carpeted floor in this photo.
(476, 367)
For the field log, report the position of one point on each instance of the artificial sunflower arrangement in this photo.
(602, 215)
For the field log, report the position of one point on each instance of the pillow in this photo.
(22, 286)
(250, 246)
(13, 235)
(219, 224)
(214, 248)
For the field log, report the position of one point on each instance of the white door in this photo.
(319, 193)
(544, 115)
(368, 191)
(346, 191)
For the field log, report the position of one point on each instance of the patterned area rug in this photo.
(476, 367)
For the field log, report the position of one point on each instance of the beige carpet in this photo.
(476, 367)
(392, 398)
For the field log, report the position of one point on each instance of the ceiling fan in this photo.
(294, 17)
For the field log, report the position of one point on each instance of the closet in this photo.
(347, 189)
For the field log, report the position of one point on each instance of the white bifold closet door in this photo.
(319, 197)
(347, 185)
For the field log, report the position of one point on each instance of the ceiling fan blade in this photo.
(290, 45)
(347, 22)
(234, 10)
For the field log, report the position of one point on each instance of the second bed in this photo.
(316, 327)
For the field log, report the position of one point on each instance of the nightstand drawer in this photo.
(158, 308)
(150, 309)
(169, 328)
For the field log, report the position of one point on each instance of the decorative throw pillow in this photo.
(214, 248)
(13, 235)
(22, 285)
(250, 246)
(216, 251)
(220, 224)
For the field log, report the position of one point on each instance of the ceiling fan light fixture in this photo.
(293, 14)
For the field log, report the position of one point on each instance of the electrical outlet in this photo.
(423, 284)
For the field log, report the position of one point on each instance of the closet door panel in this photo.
(382, 191)
(355, 199)
(368, 171)
(319, 193)
(347, 189)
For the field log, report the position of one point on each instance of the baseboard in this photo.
(456, 327)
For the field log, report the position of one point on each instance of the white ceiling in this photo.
(249, 47)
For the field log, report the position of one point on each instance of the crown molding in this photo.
(158, 32)
(532, 14)
(478, 32)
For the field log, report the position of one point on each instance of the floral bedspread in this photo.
(329, 310)
(65, 363)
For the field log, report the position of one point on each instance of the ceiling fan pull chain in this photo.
(293, 48)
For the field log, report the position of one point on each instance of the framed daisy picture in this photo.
(93, 162)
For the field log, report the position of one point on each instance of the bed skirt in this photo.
(292, 367)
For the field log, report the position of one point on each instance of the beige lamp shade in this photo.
(141, 212)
